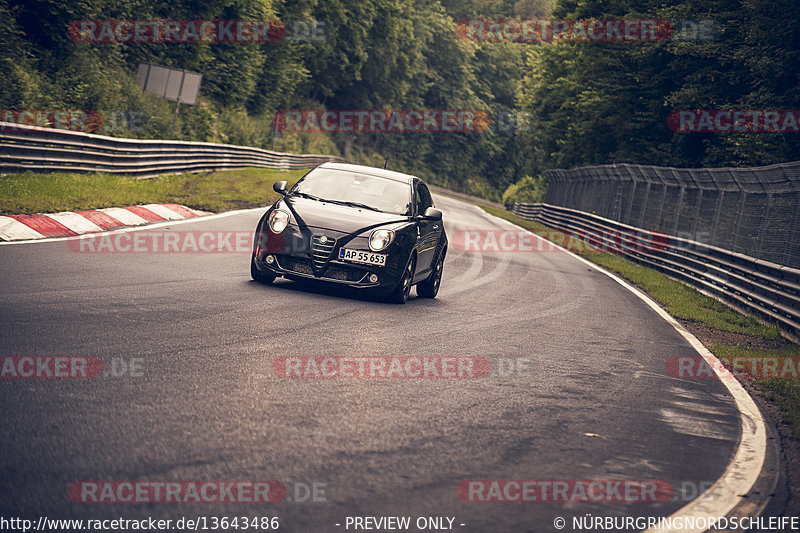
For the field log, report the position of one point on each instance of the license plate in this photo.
(359, 256)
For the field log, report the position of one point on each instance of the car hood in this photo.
(326, 215)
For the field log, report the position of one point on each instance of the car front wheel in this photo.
(257, 275)
(429, 288)
(403, 290)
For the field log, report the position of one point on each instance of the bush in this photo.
(529, 189)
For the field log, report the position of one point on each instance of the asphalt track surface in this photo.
(596, 404)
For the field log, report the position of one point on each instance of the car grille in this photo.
(345, 273)
(321, 252)
(301, 266)
(336, 272)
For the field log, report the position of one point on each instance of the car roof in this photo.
(372, 171)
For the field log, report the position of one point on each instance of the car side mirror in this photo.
(280, 187)
(432, 214)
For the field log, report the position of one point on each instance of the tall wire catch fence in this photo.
(754, 211)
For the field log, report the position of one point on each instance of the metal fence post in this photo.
(658, 224)
(762, 227)
(696, 214)
(735, 234)
(617, 200)
(793, 229)
(678, 210)
(630, 202)
(582, 198)
(593, 196)
(643, 210)
(715, 222)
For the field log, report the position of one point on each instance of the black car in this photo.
(363, 227)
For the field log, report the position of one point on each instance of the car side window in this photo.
(424, 200)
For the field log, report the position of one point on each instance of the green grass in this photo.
(682, 301)
(31, 192)
(679, 300)
(784, 391)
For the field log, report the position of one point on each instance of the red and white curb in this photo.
(68, 223)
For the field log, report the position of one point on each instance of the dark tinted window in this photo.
(424, 200)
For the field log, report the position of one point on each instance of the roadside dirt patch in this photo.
(710, 336)
(790, 445)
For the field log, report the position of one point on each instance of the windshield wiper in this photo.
(358, 204)
(338, 202)
(309, 196)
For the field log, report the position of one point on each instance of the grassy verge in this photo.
(727, 333)
(31, 192)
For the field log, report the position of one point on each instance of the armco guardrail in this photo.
(35, 148)
(760, 287)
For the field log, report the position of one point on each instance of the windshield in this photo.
(359, 190)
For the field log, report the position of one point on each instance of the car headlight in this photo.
(380, 239)
(278, 220)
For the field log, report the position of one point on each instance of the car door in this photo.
(428, 231)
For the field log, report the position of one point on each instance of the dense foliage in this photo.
(584, 103)
(609, 102)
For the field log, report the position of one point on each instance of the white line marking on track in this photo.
(473, 281)
(743, 470)
(472, 272)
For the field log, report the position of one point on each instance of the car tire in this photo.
(257, 275)
(429, 288)
(401, 293)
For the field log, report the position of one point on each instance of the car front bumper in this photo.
(296, 259)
